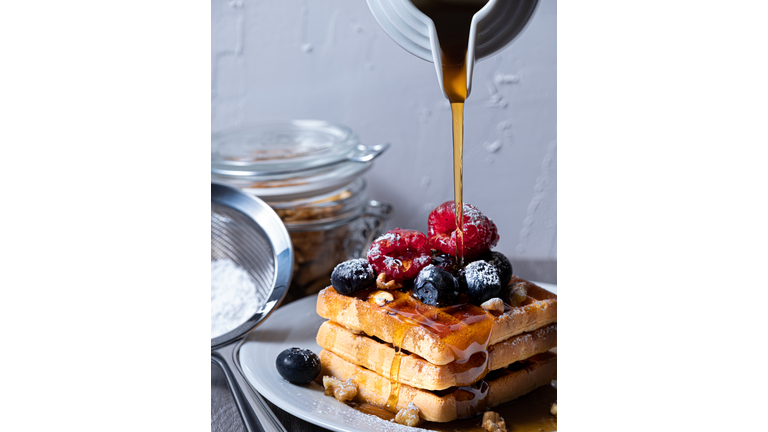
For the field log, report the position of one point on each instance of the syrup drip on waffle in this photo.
(394, 369)
(464, 327)
(472, 400)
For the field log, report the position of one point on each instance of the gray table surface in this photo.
(226, 418)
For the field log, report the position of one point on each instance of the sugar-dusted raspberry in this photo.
(480, 233)
(400, 253)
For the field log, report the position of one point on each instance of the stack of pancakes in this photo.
(452, 362)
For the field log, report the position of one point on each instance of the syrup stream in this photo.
(457, 111)
(452, 20)
(455, 85)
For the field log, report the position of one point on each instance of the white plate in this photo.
(296, 325)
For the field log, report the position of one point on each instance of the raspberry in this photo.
(480, 233)
(400, 253)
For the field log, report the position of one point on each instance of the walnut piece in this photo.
(341, 390)
(493, 305)
(553, 410)
(518, 293)
(382, 297)
(409, 415)
(492, 422)
(383, 283)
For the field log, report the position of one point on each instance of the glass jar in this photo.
(309, 172)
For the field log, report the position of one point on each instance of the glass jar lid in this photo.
(290, 159)
(298, 185)
(281, 147)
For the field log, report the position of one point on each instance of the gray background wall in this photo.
(330, 60)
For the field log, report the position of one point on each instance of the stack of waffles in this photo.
(452, 362)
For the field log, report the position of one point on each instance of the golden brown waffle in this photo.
(504, 385)
(417, 372)
(450, 330)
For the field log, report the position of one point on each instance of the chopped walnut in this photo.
(382, 297)
(492, 422)
(383, 283)
(409, 415)
(341, 390)
(553, 410)
(494, 304)
(518, 293)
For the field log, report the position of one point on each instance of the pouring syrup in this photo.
(452, 21)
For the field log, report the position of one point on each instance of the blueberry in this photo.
(299, 366)
(446, 262)
(352, 276)
(482, 281)
(502, 264)
(435, 286)
(462, 279)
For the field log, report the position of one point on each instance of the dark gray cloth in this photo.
(226, 418)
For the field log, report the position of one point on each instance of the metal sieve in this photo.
(247, 231)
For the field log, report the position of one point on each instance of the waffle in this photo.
(417, 372)
(449, 328)
(503, 386)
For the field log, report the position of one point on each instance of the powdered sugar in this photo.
(389, 261)
(480, 273)
(422, 259)
(375, 250)
(471, 215)
(233, 296)
(354, 269)
(352, 276)
(389, 236)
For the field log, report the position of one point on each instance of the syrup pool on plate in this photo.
(529, 413)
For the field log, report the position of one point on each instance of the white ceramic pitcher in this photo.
(493, 27)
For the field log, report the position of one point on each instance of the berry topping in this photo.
(352, 276)
(482, 281)
(480, 233)
(502, 264)
(435, 286)
(400, 253)
(445, 262)
(299, 366)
